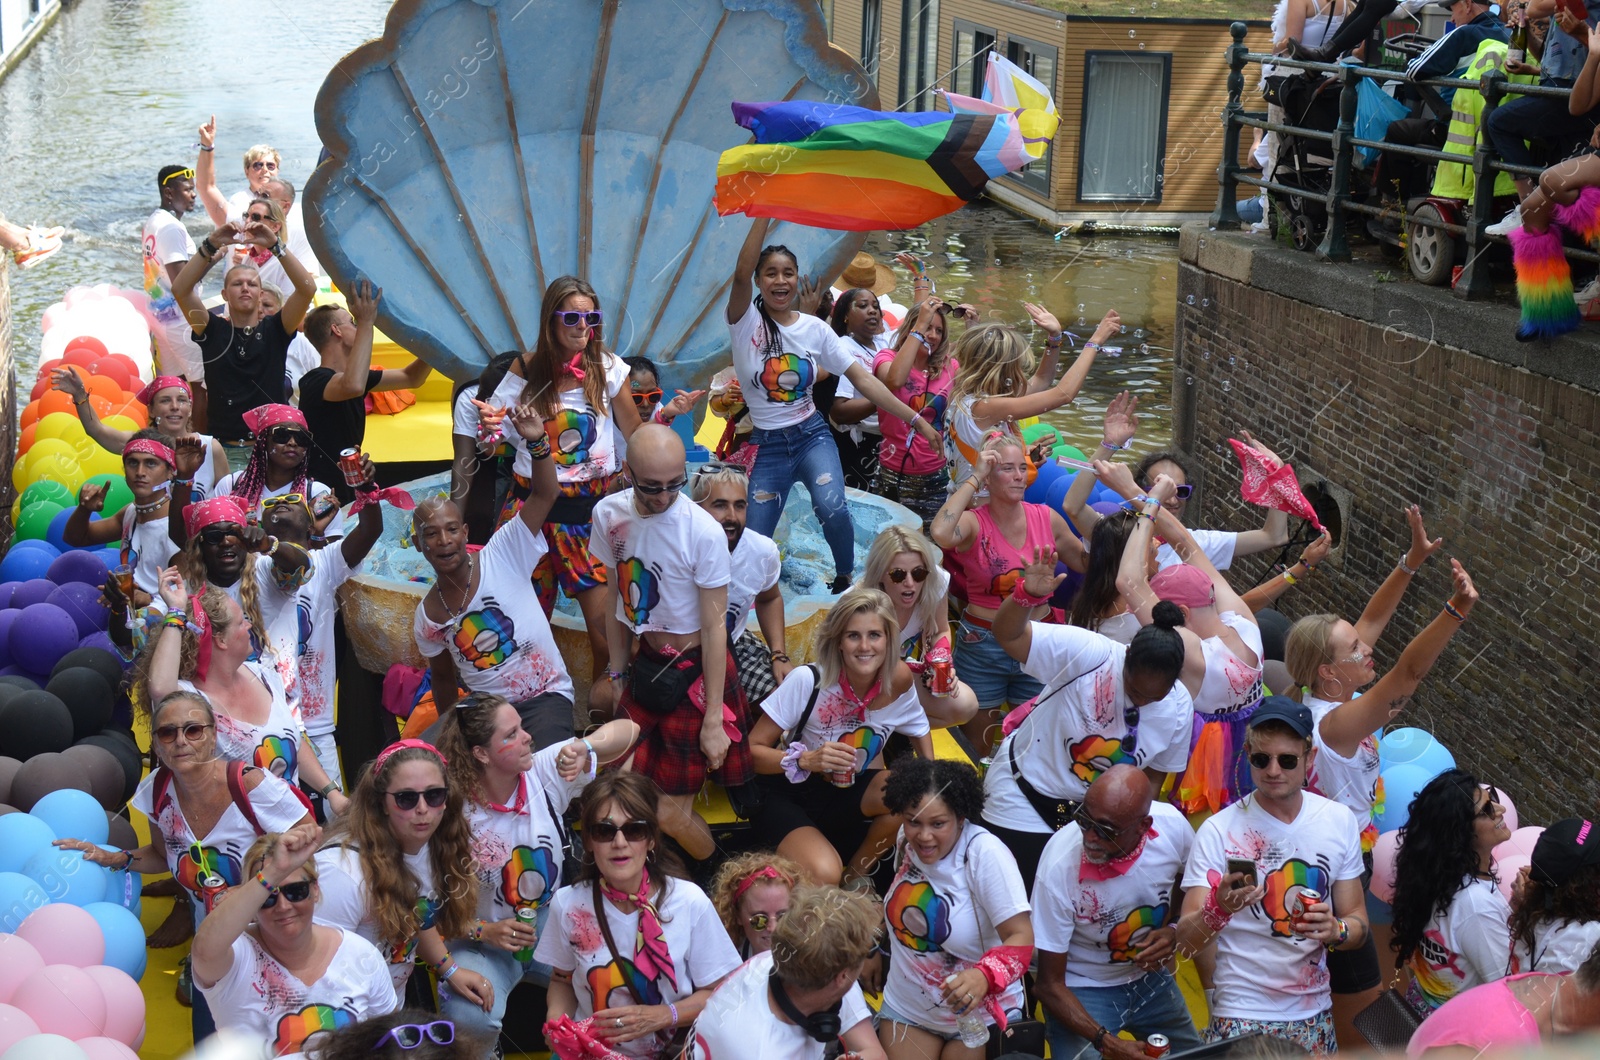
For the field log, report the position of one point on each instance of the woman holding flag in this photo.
(777, 353)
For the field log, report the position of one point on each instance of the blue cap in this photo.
(1281, 708)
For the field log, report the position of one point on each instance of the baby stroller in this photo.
(1311, 101)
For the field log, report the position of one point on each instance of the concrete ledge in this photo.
(45, 19)
(1429, 314)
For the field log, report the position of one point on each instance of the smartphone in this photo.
(1245, 866)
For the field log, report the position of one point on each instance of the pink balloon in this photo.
(64, 934)
(15, 1025)
(1507, 869)
(1523, 839)
(124, 1003)
(18, 960)
(106, 1049)
(64, 1000)
(1511, 810)
(1384, 852)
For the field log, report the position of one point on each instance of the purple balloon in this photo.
(77, 566)
(82, 602)
(7, 618)
(6, 589)
(41, 635)
(101, 639)
(33, 591)
(1106, 507)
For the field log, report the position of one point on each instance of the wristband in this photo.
(476, 934)
(204, 147)
(1290, 578)
(261, 878)
(445, 974)
(278, 250)
(322, 792)
(127, 860)
(1090, 345)
(1055, 343)
(615, 675)
(175, 618)
(1343, 936)
(1115, 448)
(1025, 598)
(791, 763)
(539, 450)
(920, 337)
(1408, 570)
(1311, 568)
(1100, 1037)
(272, 548)
(208, 248)
(443, 962)
(780, 656)
(674, 1010)
(594, 759)
(1450, 609)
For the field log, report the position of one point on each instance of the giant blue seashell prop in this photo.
(482, 148)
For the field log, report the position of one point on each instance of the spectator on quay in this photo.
(668, 586)
(1450, 921)
(1274, 925)
(722, 490)
(752, 893)
(248, 351)
(1555, 914)
(167, 246)
(29, 245)
(170, 402)
(1104, 919)
(333, 395)
(1513, 1016)
(478, 624)
(635, 948)
(794, 999)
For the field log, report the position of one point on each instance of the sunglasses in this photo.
(712, 467)
(410, 1035)
(571, 318)
(917, 574)
(262, 164)
(652, 490)
(1185, 491)
(268, 503)
(1487, 809)
(216, 535)
(295, 892)
(191, 732)
(258, 217)
(633, 831)
(406, 799)
(286, 435)
(762, 921)
(645, 398)
(1108, 833)
(1261, 760)
(182, 174)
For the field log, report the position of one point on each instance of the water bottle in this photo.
(526, 914)
(971, 1025)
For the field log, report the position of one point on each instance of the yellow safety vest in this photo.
(1452, 181)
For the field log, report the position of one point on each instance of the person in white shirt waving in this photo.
(1104, 915)
(668, 585)
(777, 353)
(791, 1001)
(1275, 880)
(634, 948)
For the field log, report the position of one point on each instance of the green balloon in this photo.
(119, 496)
(1031, 433)
(45, 490)
(34, 522)
(1069, 451)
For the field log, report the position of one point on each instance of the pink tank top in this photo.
(992, 565)
(1484, 1017)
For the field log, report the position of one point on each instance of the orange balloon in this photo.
(115, 371)
(106, 388)
(26, 441)
(31, 414)
(134, 411)
(55, 401)
(101, 406)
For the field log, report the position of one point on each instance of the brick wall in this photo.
(1504, 462)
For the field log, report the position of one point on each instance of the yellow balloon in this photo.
(19, 481)
(59, 425)
(120, 423)
(16, 509)
(43, 447)
(101, 462)
(54, 467)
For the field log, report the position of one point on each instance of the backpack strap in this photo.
(160, 791)
(811, 705)
(241, 798)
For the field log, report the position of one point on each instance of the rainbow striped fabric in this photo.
(835, 166)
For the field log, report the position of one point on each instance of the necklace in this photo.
(456, 613)
(146, 509)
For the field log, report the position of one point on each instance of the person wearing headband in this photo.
(170, 401)
(280, 465)
(752, 893)
(167, 247)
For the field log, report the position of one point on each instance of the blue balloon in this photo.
(1400, 786)
(73, 814)
(123, 887)
(58, 528)
(1056, 495)
(66, 876)
(22, 835)
(1039, 488)
(19, 896)
(23, 564)
(1402, 746)
(1102, 492)
(125, 948)
(33, 542)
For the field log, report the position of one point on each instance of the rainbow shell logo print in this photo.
(276, 755)
(486, 638)
(867, 743)
(636, 585)
(572, 433)
(1284, 885)
(787, 378)
(1093, 755)
(528, 877)
(199, 864)
(1126, 938)
(607, 980)
(919, 918)
(295, 1028)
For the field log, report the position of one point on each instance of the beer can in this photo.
(842, 780)
(1304, 900)
(942, 682)
(1157, 1045)
(527, 915)
(350, 464)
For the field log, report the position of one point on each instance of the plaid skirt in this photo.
(668, 751)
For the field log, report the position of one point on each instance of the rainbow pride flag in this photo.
(830, 165)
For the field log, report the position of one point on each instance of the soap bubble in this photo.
(1188, 380)
(1131, 33)
(1205, 303)
(1080, 308)
(1144, 350)
(1226, 386)
(1190, 299)
(1205, 355)
(1232, 359)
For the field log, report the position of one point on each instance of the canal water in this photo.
(117, 89)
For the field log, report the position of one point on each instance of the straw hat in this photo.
(863, 271)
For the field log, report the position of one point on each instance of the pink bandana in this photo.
(766, 872)
(650, 954)
(160, 383)
(572, 1039)
(196, 517)
(151, 447)
(267, 417)
(403, 745)
(1088, 870)
(200, 625)
(393, 494)
(1270, 485)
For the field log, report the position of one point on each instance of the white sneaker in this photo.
(1589, 293)
(1504, 226)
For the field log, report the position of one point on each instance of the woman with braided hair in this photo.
(278, 467)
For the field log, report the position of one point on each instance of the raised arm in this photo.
(1310, 558)
(298, 303)
(71, 384)
(896, 373)
(954, 527)
(1274, 532)
(184, 287)
(164, 665)
(741, 292)
(1381, 608)
(369, 521)
(351, 382)
(868, 386)
(205, 175)
(1133, 578)
(1345, 726)
(212, 955)
(544, 488)
(1121, 423)
(80, 530)
(1013, 629)
(1586, 90)
(1041, 396)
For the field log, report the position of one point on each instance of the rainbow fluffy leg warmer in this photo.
(1582, 218)
(1544, 285)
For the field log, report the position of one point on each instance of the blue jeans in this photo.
(994, 676)
(804, 453)
(1152, 1005)
(501, 969)
(1531, 118)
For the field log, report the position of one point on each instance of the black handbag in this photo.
(1389, 1022)
(660, 683)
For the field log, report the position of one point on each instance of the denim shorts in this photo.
(996, 678)
(886, 1014)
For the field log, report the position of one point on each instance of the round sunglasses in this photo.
(191, 732)
(899, 574)
(406, 798)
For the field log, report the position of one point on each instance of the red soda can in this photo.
(1304, 900)
(212, 888)
(1157, 1045)
(942, 681)
(350, 464)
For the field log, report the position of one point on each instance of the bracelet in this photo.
(203, 147)
(1342, 937)
(674, 1010)
(1025, 598)
(272, 548)
(127, 860)
(1100, 1036)
(476, 934)
(594, 759)
(920, 337)
(1450, 609)
(791, 763)
(976, 485)
(1311, 568)
(1214, 915)
(780, 656)
(278, 250)
(1408, 570)
(82, 403)
(440, 964)
(446, 973)
(1290, 578)
(1090, 345)
(175, 618)
(614, 675)
(539, 450)
(1055, 343)
(261, 878)
(1115, 448)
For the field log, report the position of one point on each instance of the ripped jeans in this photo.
(804, 453)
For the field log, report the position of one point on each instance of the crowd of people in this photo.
(1054, 870)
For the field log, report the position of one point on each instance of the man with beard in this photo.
(723, 491)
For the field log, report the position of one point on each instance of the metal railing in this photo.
(1475, 281)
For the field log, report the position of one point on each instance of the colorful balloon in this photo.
(64, 935)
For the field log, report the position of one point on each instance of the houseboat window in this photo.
(919, 53)
(1040, 61)
(871, 36)
(971, 57)
(1124, 126)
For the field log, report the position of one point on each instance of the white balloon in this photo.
(45, 1047)
(223, 1045)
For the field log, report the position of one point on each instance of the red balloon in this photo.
(49, 366)
(83, 357)
(116, 371)
(86, 342)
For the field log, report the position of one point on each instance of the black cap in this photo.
(1281, 708)
(1563, 849)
